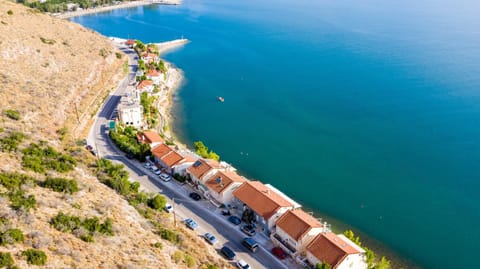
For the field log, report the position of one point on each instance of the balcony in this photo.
(287, 247)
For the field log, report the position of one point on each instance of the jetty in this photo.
(166, 46)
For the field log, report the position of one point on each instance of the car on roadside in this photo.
(147, 165)
(195, 196)
(168, 208)
(191, 224)
(249, 230)
(235, 220)
(251, 244)
(165, 177)
(242, 264)
(279, 253)
(228, 253)
(210, 238)
(157, 172)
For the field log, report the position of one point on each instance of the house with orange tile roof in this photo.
(149, 57)
(168, 159)
(155, 76)
(202, 169)
(145, 85)
(261, 204)
(221, 186)
(150, 137)
(337, 251)
(130, 43)
(294, 230)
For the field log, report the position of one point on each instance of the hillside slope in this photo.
(53, 76)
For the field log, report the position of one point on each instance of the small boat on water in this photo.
(220, 99)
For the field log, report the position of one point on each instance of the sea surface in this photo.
(367, 112)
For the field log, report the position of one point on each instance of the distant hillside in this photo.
(54, 75)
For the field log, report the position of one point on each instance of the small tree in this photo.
(383, 263)
(157, 202)
(5, 259)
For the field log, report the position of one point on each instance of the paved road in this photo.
(208, 218)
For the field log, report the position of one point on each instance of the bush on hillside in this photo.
(202, 150)
(84, 229)
(13, 181)
(125, 138)
(11, 236)
(40, 158)
(157, 202)
(20, 200)
(6, 259)
(35, 257)
(11, 142)
(12, 114)
(61, 185)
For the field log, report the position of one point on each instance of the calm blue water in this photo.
(367, 111)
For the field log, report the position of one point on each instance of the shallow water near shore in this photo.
(367, 112)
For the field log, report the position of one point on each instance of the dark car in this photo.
(279, 253)
(234, 219)
(195, 196)
(249, 230)
(251, 244)
(228, 253)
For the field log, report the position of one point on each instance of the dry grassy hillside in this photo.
(49, 66)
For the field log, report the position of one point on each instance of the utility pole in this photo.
(174, 213)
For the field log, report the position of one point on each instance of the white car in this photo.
(243, 264)
(154, 168)
(168, 208)
(157, 172)
(147, 165)
(164, 177)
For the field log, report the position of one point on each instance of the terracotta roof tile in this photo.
(202, 166)
(296, 223)
(161, 150)
(264, 201)
(330, 248)
(144, 83)
(172, 158)
(149, 137)
(227, 178)
(153, 73)
(130, 42)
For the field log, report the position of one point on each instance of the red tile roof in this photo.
(149, 137)
(144, 83)
(261, 199)
(161, 150)
(153, 73)
(130, 42)
(201, 167)
(296, 223)
(221, 180)
(330, 248)
(172, 158)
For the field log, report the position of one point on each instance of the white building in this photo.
(337, 251)
(294, 230)
(130, 112)
(221, 186)
(202, 169)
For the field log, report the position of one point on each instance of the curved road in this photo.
(201, 211)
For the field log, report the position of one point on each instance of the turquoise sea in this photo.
(364, 111)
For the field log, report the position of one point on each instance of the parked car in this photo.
(228, 253)
(249, 229)
(251, 244)
(279, 253)
(191, 224)
(157, 172)
(130, 155)
(154, 168)
(210, 238)
(168, 208)
(235, 220)
(195, 196)
(165, 177)
(147, 165)
(242, 264)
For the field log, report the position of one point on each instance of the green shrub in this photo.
(177, 256)
(10, 143)
(35, 257)
(47, 41)
(190, 261)
(179, 178)
(61, 185)
(12, 114)
(5, 260)
(139, 198)
(169, 235)
(10, 12)
(118, 55)
(41, 158)
(157, 202)
(202, 150)
(19, 200)
(11, 236)
(62, 132)
(114, 176)
(158, 245)
(13, 181)
(126, 140)
(67, 223)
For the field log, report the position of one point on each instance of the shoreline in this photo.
(71, 14)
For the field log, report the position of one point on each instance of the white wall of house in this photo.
(131, 115)
(157, 79)
(273, 219)
(352, 261)
(226, 197)
(182, 168)
(302, 242)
